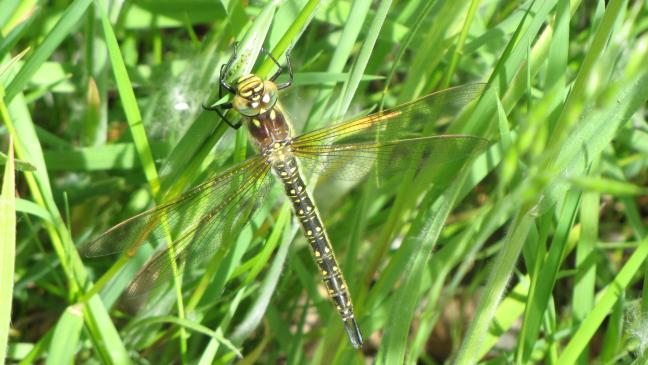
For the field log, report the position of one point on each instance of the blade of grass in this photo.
(216, 336)
(405, 44)
(458, 48)
(256, 312)
(292, 35)
(435, 41)
(586, 142)
(142, 145)
(360, 63)
(67, 334)
(585, 285)
(19, 165)
(21, 128)
(608, 186)
(44, 50)
(115, 156)
(342, 53)
(508, 312)
(6, 11)
(7, 66)
(129, 103)
(611, 294)
(7, 250)
(613, 338)
(498, 279)
(575, 100)
(542, 285)
(424, 232)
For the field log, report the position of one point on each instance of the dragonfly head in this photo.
(254, 96)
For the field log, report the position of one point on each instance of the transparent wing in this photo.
(407, 120)
(195, 223)
(354, 161)
(395, 139)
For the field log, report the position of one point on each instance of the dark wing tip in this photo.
(91, 249)
(99, 247)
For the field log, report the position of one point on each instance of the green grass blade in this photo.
(45, 49)
(20, 126)
(575, 101)
(129, 103)
(424, 234)
(608, 186)
(568, 78)
(614, 333)
(542, 285)
(66, 337)
(585, 286)
(497, 281)
(436, 38)
(360, 63)
(269, 284)
(611, 294)
(292, 35)
(19, 165)
(7, 250)
(458, 48)
(341, 55)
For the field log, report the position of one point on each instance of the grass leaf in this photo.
(8, 250)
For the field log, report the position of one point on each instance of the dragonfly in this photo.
(193, 225)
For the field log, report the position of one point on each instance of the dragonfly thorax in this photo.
(254, 96)
(269, 128)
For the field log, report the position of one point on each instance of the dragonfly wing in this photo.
(396, 139)
(354, 161)
(195, 223)
(409, 120)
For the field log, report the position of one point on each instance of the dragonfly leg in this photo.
(281, 69)
(225, 69)
(219, 110)
(222, 83)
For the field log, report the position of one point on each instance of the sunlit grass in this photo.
(533, 253)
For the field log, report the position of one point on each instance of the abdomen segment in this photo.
(311, 223)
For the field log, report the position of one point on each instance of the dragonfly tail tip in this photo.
(353, 331)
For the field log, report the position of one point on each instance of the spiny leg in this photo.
(225, 69)
(219, 110)
(281, 69)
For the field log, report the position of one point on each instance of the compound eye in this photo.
(269, 97)
(246, 107)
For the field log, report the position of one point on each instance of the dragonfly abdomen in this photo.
(288, 171)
